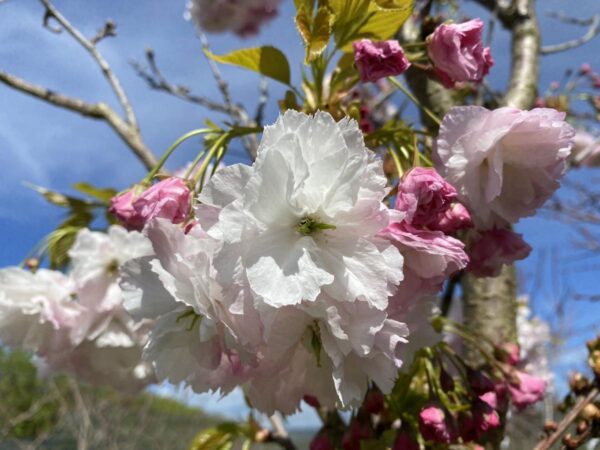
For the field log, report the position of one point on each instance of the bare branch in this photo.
(52, 12)
(592, 32)
(262, 101)
(155, 79)
(99, 111)
(548, 442)
(223, 86)
(109, 30)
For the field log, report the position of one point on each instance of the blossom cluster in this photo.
(292, 278)
(76, 322)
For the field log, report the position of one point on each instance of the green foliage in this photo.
(315, 31)
(268, 61)
(373, 19)
(27, 407)
(81, 213)
(223, 437)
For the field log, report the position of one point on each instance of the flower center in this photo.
(310, 225)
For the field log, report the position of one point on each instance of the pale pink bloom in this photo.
(586, 150)
(430, 257)
(456, 218)
(434, 426)
(457, 52)
(424, 196)
(527, 390)
(242, 17)
(168, 199)
(494, 248)
(504, 163)
(121, 206)
(485, 416)
(491, 398)
(376, 60)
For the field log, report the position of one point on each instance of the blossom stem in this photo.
(171, 149)
(413, 99)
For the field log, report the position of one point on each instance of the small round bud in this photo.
(550, 427)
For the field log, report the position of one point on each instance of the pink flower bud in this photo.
(434, 426)
(456, 218)
(479, 382)
(485, 417)
(404, 441)
(374, 402)
(457, 52)
(509, 353)
(121, 206)
(491, 398)
(424, 195)
(321, 442)
(376, 60)
(526, 390)
(585, 69)
(357, 432)
(312, 401)
(494, 248)
(167, 199)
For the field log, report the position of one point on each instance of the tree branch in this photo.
(52, 12)
(155, 79)
(548, 442)
(279, 435)
(592, 32)
(100, 111)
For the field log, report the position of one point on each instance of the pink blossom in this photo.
(491, 398)
(509, 353)
(357, 432)
(434, 426)
(374, 402)
(424, 195)
(457, 52)
(585, 68)
(242, 17)
(321, 441)
(479, 382)
(122, 208)
(168, 199)
(404, 441)
(456, 218)
(485, 416)
(430, 257)
(526, 390)
(376, 60)
(494, 248)
(586, 150)
(503, 163)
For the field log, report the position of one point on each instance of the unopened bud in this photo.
(32, 264)
(590, 412)
(582, 427)
(578, 383)
(550, 427)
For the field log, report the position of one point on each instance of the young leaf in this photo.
(104, 195)
(268, 61)
(316, 34)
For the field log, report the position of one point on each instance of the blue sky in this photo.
(54, 148)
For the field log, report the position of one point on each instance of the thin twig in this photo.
(155, 79)
(95, 111)
(262, 101)
(88, 45)
(548, 442)
(592, 32)
(108, 30)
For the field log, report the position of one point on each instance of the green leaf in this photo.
(268, 61)
(373, 19)
(315, 33)
(104, 195)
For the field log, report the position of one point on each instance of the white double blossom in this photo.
(283, 284)
(76, 323)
